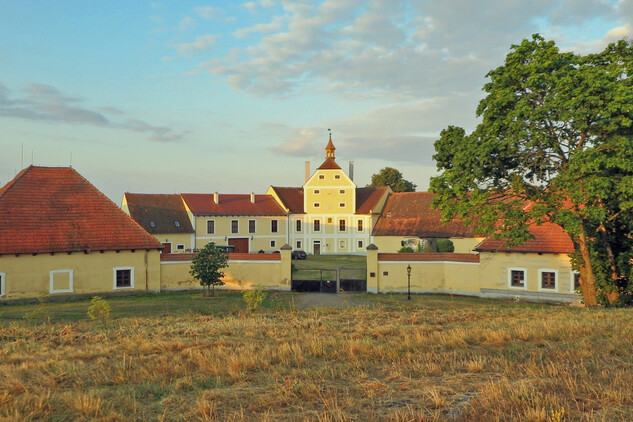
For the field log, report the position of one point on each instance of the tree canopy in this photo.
(555, 133)
(392, 178)
(206, 266)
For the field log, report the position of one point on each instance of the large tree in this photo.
(555, 144)
(206, 266)
(392, 178)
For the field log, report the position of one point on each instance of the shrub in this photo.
(406, 249)
(445, 245)
(254, 297)
(41, 311)
(99, 309)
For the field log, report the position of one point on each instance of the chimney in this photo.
(216, 198)
(307, 170)
(351, 170)
(252, 197)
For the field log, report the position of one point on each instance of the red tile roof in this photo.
(232, 256)
(368, 198)
(329, 164)
(292, 198)
(54, 209)
(232, 204)
(410, 214)
(548, 238)
(163, 210)
(429, 256)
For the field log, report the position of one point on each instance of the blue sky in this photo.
(164, 97)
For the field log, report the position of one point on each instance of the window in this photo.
(298, 225)
(385, 273)
(316, 191)
(152, 224)
(360, 225)
(123, 278)
(298, 244)
(575, 281)
(251, 226)
(2, 287)
(329, 220)
(210, 226)
(341, 244)
(342, 191)
(360, 244)
(176, 223)
(274, 226)
(547, 279)
(61, 281)
(341, 204)
(337, 176)
(321, 176)
(235, 226)
(341, 225)
(317, 225)
(273, 243)
(317, 205)
(180, 247)
(517, 277)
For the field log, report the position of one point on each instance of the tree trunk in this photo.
(613, 295)
(587, 277)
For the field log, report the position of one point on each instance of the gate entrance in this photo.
(329, 280)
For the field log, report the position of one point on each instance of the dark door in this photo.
(167, 248)
(317, 248)
(240, 243)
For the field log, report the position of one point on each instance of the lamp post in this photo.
(409, 282)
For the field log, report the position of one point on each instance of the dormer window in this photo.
(152, 224)
(321, 176)
(176, 223)
(337, 176)
(342, 191)
(317, 191)
(388, 214)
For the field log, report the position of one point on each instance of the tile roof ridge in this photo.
(13, 181)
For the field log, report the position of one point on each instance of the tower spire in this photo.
(329, 149)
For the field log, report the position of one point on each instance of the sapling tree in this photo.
(555, 143)
(206, 267)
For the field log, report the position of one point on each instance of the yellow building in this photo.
(59, 234)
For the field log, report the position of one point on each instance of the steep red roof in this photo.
(54, 209)
(410, 214)
(232, 204)
(166, 213)
(329, 164)
(292, 198)
(368, 198)
(548, 238)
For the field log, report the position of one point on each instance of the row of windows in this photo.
(235, 226)
(316, 225)
(341, 244)
(336, 176)
(318, 191)
(548, 279)
(62, 281)
(318, 205)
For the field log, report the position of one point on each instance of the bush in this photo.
(99, 309)
(254, 297)
(406, 249)
(41, 311)
(445, 245)
(261, 251)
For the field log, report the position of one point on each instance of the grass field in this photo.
(433, 358)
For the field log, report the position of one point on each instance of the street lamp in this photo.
(409, 282)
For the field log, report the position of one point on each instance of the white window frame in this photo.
(525, 278)
(540, 281)
(299, 244)
(314, 221)
(360, 244)
(362, 225)
(572, 273)
(3, 277)
(254, 226)
(52, 281)
(317, 191)
(341, 204)
(180, 247)
(114, 271)
(344, 221)
(299, 223)
(273, 244)
(207, 228)
(317, 205)
(237, 231)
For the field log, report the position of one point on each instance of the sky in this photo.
(232, 97)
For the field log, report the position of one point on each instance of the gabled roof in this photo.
(166, 213)
(368, 198)
(292, 198)
(329, 164)
(54, 209)
(232, 204)
(548, 238)
(410, 214)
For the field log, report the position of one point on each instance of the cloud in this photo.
(41, 102)
(201, 43)
(261, 28)
(251, 6)
(187, 22)
(208, 12)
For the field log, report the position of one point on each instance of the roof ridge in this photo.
(13, 181)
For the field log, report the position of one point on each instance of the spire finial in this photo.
(329, 149)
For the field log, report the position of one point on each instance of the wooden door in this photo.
(240, 243)
(167, 248)
(317, 248)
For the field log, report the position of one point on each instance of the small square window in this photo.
(124, 278)
(385, 273)
(61, 281)
(152, 224)
(317, 205)
(517, 278)
(273, 243)
(329, 220)
(321, 176)
(372, 274)
(342, 191)
(316, 191)
(547, 279)
(337, 176)
(180, 247)
(341, 204)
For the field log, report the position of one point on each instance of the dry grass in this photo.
(429, 360)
